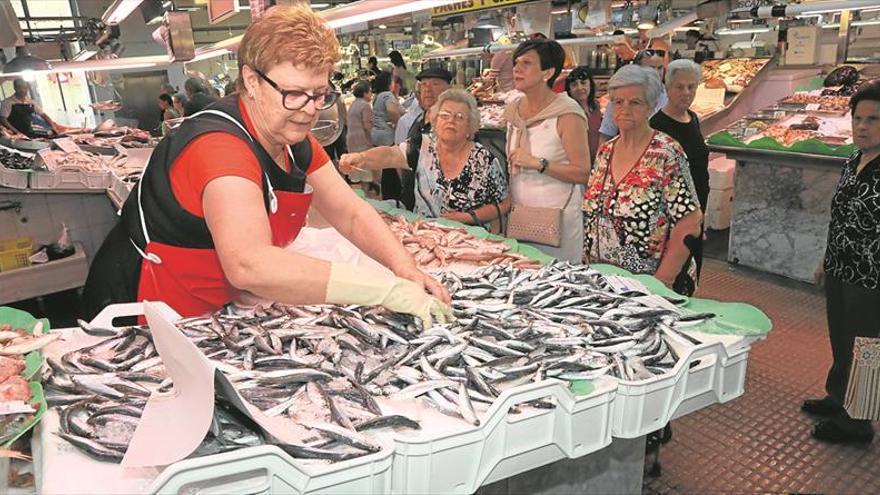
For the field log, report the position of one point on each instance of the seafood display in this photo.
(797, 118)
(128, 137)
(18, 406)
(338, 373)
(57, 160)
(733, 74)
(14, 160)
(436, 246)
(822, 103)
(492, 115)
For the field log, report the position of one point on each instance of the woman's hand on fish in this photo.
(426, 281)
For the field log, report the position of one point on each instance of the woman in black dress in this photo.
(677, 120)
(850, 271)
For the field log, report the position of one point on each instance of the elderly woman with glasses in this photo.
(640, 206)
(229, 189)
(456, 177)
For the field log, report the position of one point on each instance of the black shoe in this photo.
(823, 407)
(843, 430)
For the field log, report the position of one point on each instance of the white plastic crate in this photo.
(255, 470)
(641, 407)
(70, 179)
(118, 188)
(12, 178)
(725, 382)
(267, 469)
(504, 444)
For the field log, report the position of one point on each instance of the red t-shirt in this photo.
(219, 154)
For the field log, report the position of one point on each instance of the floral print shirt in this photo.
(627, 220)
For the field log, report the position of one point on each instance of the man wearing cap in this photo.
(432, 82)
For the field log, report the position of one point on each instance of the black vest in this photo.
(114, 274)
(167, 221)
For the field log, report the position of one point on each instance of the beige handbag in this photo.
(537, 224)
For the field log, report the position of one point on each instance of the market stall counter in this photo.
(520, 417)
(789, 158)
(781, 209)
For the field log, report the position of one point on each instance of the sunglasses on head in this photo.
(650, 52)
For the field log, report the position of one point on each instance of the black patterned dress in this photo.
(853, 253)
(481, 182)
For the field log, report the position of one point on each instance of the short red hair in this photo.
(292, 34)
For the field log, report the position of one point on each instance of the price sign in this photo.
(655, 301)
(813, 107)
(623, 284)
(66, 145)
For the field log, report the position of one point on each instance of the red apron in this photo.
(192, 281)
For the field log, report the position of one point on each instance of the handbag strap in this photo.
(502, 229)
(570, 194)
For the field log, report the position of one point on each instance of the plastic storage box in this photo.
(505, 444)
(720, 383)
(118, 189)
(255, 470)
(70, 179)
(14, 179)
(647, 405)
(14, 253)
(267, 469)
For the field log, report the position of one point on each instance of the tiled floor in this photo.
(760, 442)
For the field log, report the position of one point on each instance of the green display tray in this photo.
(36, 396)
(33, 363)
(812, 146)
(22, 319)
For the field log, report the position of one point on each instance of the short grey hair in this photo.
(460, 96)
(683, 65)
(634, 75)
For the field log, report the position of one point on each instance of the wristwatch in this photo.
(544, 164)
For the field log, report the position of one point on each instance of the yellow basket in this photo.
(14, 253)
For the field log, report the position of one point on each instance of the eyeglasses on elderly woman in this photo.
(454, 116)
(293, 99)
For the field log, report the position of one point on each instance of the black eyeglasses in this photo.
(650, 52)
(293, 99)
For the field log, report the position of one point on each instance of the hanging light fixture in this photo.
(24, 61)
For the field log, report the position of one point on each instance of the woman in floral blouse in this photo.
(640, 207)
(456, 177)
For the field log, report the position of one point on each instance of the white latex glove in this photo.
(350, 284)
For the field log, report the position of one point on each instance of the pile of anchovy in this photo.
(336, 372)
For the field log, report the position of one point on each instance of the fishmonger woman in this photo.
(226, 191)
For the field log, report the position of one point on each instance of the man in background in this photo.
(199, 96)
(17, 112)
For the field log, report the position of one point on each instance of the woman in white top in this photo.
(549, 158)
